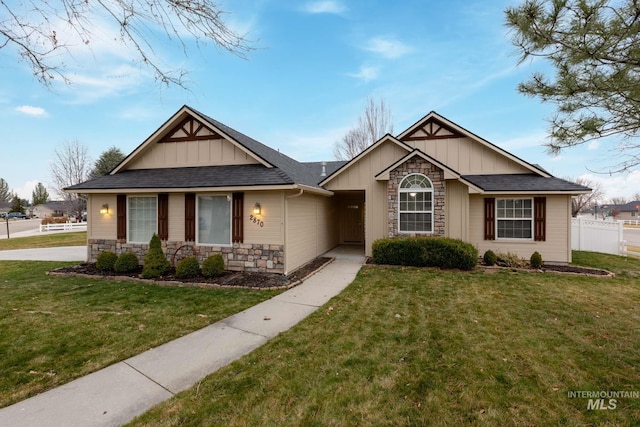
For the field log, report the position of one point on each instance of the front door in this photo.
(352, 220)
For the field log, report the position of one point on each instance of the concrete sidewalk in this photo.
(116, 394)
(62, 253)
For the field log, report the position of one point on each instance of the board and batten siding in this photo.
(213, 152)
(557, 246)
(312, 229)
(456, 210)
(101, 226)
(468, 157)
(361, 177)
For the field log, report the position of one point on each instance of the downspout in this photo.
(286, 225)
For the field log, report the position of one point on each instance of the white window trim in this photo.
(155, 197)
(229, 199)
(515, 239)
(409, 190)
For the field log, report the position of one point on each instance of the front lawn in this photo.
(49, 240)
(409, 346)
(54, 329)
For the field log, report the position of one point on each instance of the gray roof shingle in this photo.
(523, 182)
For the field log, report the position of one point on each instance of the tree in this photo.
(16, 204)
(594, 46)
(618, 201)
(70, 167)
(107, 161)
(39, 195)
(636, 196)
(41, 30)
(375, 123)
(583, 201)
(5, 194)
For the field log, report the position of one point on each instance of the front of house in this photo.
(205, 188)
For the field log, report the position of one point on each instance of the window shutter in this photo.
(489, 218)
(237, 206)
(121, 217)
(190, 217)
(163, 216)
(539, 219)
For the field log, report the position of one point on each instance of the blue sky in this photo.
(315, 65)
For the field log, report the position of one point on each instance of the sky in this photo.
(314, 66)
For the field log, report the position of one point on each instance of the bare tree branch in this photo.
(375, 123)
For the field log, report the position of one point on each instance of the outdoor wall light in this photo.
(257, 210)
(104, 209)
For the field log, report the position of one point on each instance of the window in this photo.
(415, 201)
(142, 218)
(514, 218)
(214, 220)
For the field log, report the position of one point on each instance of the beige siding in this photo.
(361, 176)
(176, 217)
(271, 218)
(456, 210)
(556, 248)
(311, 229)
(101, 226)
(192, 153)
(467, 156)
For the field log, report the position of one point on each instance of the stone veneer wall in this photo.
(416, 165)
(239, 257)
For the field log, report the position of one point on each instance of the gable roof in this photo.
(448, 172)
(286, 171)
(625, 207)
(447, 129)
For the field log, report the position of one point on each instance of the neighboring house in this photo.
(53, 208)
(627, 211)
(205, 188)
(5, 207)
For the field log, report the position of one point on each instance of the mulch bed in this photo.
(228, 279)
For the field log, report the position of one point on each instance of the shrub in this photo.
(126, 263)
(425, 252)
(106, 260)
(155, 263)
(213, 266)
(536, 260)
(489, 257)
(510, 260)
(188, 267)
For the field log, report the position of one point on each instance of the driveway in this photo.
(64, 253)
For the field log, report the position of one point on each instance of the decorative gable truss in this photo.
(190, 129)
(432, 129)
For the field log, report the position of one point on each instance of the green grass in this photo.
(408, 346)
(54, 329)
(76, 238)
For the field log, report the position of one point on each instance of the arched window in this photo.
(415, 199)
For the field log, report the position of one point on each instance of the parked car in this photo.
(17, 215)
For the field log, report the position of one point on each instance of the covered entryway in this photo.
(351, 206)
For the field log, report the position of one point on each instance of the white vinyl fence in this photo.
(598, 236)
(66, 226)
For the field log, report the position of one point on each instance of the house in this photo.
(53, 208)
(625, 211)
(206, 188)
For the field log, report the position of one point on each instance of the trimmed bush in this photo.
(536, 260)
(155, 263)
(126, 263)
(213, 266)
(106, 260)
(439, 252)
(510, 260)
(188, 267)
(489, 258)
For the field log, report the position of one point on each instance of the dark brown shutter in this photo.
(190, 217)
(489, 218)
(540, 219)
(121, 217)
(237, 206)
(163, 216)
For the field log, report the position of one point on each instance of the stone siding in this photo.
(416, 165)
(238, 257)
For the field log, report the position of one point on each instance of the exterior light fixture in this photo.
(257, 210)
(104, 209)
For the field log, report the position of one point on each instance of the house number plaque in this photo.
(256, 220)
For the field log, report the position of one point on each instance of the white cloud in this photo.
(387, 47)
(24, 192)
(32, 111)
(324, 7)
(593, 145)
(619, 185)
(366, 74)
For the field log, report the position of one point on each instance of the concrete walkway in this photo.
(116, 394)
(62, 253)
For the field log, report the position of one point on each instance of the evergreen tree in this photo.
(5, 194)
(17, 204)
(107, 161)
(39, 195)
